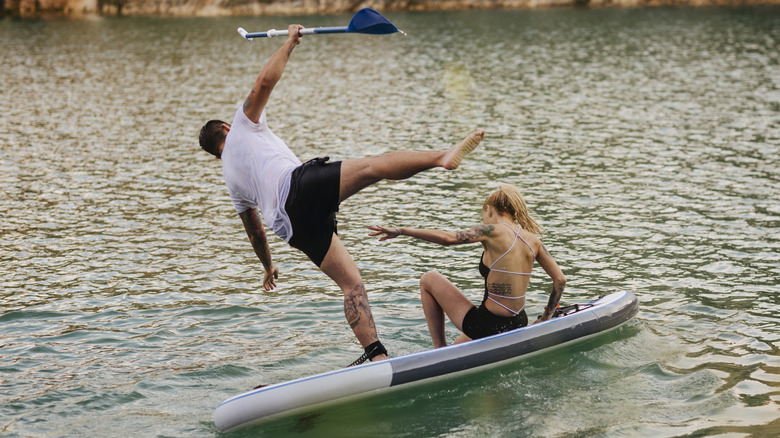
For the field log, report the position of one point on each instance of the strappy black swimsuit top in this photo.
(485, 270)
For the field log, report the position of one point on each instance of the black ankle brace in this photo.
(375, 350)
(371, 351)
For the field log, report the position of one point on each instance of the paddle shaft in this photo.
(305, 31)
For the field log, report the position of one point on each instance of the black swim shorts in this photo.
(480, 322)
(312, 205)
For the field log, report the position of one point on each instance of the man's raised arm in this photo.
(270, 75)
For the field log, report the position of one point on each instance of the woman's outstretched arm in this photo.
(477, 233)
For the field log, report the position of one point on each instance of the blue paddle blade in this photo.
(371, 22)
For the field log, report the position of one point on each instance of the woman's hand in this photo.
(541, 319)
(385, 232)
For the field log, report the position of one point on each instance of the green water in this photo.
(647, 142)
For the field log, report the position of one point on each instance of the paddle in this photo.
(366, 20)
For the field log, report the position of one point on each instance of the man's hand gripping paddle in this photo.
(366, 20)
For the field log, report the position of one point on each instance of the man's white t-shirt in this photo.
(257, 166)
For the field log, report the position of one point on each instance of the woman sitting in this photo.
(511, 242)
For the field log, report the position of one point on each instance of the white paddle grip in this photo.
(275, 33)
(243, 33)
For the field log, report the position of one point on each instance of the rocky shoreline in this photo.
(204, 8)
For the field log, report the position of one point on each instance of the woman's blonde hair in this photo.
(508, 199)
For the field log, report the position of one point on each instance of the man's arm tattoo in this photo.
(257, 237)
(248, 101)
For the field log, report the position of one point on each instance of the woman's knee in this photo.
(429, 279)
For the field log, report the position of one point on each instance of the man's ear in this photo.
(221, 148)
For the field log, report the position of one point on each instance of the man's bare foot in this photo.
(454, 156)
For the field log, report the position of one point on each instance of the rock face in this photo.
(26, 8)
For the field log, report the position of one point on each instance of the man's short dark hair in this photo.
(211, 136)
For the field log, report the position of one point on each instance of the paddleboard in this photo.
(580, 322)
